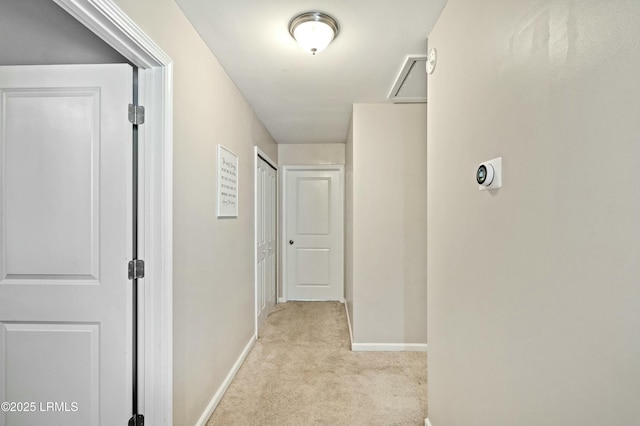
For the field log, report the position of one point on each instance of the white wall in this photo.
(544, 327)
(213, 259)
(389, 193)
(39, 32)
(310, 154)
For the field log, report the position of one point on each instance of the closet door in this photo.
(266, 237)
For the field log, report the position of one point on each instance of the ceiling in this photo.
(302, 98)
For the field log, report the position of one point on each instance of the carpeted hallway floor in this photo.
(301, 371)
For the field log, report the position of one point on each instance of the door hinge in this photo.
(136, 114)
(136, 420)
(136, 269)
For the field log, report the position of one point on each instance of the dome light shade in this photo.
(313, 31)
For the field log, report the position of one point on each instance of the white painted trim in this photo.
(407, 67)
(155, 72)
(346, 309)
(427, 422)
(217, 397)
(112, 25)
(283, 235)
(255, 242)
(283, 241)
(265, 157)
(389, 347)
(158, 245)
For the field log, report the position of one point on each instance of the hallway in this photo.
(301, 371)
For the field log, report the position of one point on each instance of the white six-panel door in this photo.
(314, 234)
(266, 230)
(65, 240)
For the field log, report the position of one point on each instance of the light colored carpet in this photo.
(301, 371)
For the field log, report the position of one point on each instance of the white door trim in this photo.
(265, 157)
(329, 167)
(155, 73)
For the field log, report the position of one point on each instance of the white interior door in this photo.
(65, 241)
(314, 234)
(266, 239)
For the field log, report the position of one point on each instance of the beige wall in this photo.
(389, 223)
(213, 259)
(310, 154)
(348, 221)
(534, 289)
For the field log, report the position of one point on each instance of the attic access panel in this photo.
(411, 84)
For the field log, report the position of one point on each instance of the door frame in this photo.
(283, 235)
(155, 83)
(265, 157)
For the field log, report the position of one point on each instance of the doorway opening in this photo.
(111, 25)
(313, 234)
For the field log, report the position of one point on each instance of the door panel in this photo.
(314, 235)
(51, 167)
(32, 377)
(65, 241)
(314, 206)
(266, 236)
(314, 266)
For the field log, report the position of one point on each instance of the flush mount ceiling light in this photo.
(313, 31)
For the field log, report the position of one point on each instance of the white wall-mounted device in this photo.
(489, 174)
(432, 59)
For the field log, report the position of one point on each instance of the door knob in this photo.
(290, 241)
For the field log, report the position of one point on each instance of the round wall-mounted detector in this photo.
(431, 61)
(489, 174)
(484, 174)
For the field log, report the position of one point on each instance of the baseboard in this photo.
(427, 422)
(349, 325)
(389, 347)
(282, 300)
(202, 421)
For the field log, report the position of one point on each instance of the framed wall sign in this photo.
(227, 183)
